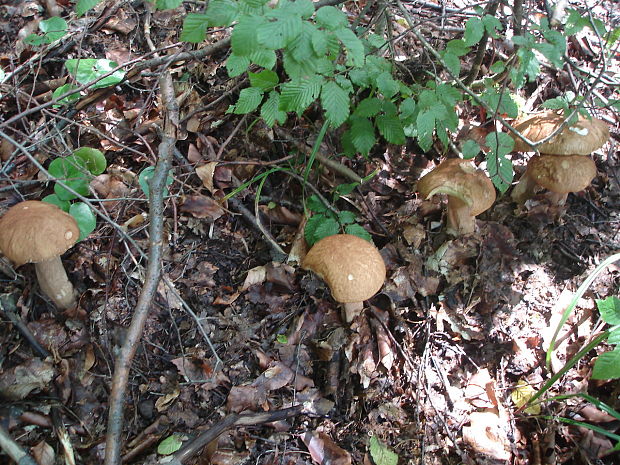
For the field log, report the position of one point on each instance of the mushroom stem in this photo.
(54, 283)
(557, 198)
(524, 188)
(351, 310)
(460, 220)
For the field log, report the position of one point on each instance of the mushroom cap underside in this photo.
(34, 231)
(562, 174)
(351, 266)
(459, 178)
(581, 138)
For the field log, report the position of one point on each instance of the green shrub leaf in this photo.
(354, 46)
(391, 129)
(244, 39)
(270, 111)
(85, 70)
(299, 94)
(362, 135)
(335, 102)
(359, 231)
(82, 6)
(607, 365)
(331, 18)
(222, 12)
(609, 308)
(249, 100)
(265, 80)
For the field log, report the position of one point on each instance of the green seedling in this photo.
(144, 179)
(75, 172)
(53, 29)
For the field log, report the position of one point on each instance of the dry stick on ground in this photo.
(153, 272)
(230, 421)
(14, 450)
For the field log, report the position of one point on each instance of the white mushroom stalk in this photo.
(54, 282)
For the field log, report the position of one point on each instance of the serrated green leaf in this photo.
(85, 70)
(362, 135)
(170, 445)
(315, 204)
(331, 18)
(355, 48)
(84, 217)
(407, 110)
(299, 94)
(492, 25)
(346, 189)
(265, 80)
(360, 77)
(425, 123)
(236, 65)
(453, 64)
(82, 6)
(391, 129)
(470, 149)
(498, 166)
(474, 30)
(359, 231)
(301, 46)
(607, 365)
(222, 12)
(326, 227)
(380, 453)
(609, 308)
(249, 100)
(167, 4)
(280, 31)
(457, 47)
(346, 217)
(370, 106)
(557, 103)
(270, 111)
(310, 228)
(344, 83)
(244, 39)
(263, 57)
(387, 85)
(303, 69)
(303, 8)
(614, 337)
(319, 41)
(335, 102)
(194, 28)
(500, 101)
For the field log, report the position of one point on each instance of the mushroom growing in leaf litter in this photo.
(351, 266)
(469, 190)
(39, 232)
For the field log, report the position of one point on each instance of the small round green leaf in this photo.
(84, 217)
(54, 200)
(93, 160)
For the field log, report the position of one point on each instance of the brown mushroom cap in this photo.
(581, 138)
(459, 178)
(570, 173)
(351, 266)
(34, 231)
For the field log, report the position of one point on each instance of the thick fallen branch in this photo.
(153, 272)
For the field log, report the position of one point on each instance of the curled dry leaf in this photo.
(17, 382)
(200, 206)
(43, 453)
(324, 450)
(205, 173)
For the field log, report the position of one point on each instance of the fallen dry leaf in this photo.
(324, 450)
(17, 382)
(200, 206)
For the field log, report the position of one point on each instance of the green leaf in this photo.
(470, 149)
(315, 204)
(346, 189)
(265, 80)
(380, 453)
(194, 27)
(244, 39)
(474, 30)
(370, 106)
(326, 227)
(280, 32)
(53, 29)
(453, 63)
(236, 65)
(91, 159)
(554, 49)
(335, 102)
(270, 111)
(501, 101)
(391, 129)
(63, 90)
(557, 103)
(282, 339)
(82, 6)
(297, 95)
(54, 200)
(362, 135)
(85, 70)
(359, 231)
(457, 47)
(387, 85)
(303, 8)
(492, 25)
(301, 46)
(331, 18)
(84, 217)
(170, 445)
(75, 182)
(168, 4)
(609, 308)
(249, 100)
(426, 126)
(319, 41)
(263, 57)
(607, 365)
(407, 110)
(346, 217)
(497, 67)
(145, 177)
(498, 166)
(70, 171)
(355, 48)
(614, 337)
(222, 12)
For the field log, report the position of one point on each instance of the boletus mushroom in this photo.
(352, 268)
(469, 190)
(39, 232)
(572, 145)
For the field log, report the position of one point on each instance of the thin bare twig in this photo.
(153, 273)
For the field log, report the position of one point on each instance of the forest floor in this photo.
(430, 369)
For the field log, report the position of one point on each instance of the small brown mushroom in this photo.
(352, 268)
(581, 138)
(558, 174)
(470, 192)
(39, 232)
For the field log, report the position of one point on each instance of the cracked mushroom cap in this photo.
(351, 266)
(34, 231)
(581, 138)
(570, 173)
(459, 178)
